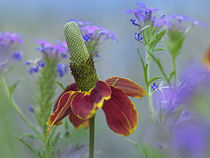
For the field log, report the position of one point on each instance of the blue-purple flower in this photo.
(8, 53)
(94, 35)
(56, 51)
(143, 17)
(189, 140)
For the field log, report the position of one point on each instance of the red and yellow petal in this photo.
(62, 110)
(121, 114)
(71, 87)
(85, 104)
(78, 123)
(131, 88)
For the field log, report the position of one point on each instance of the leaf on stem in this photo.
(171, 75)
(13, 87)
(27, 145)
(61, 85)
(154, 79)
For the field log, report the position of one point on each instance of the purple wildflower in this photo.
(7, 41)
(143, 7)
(144, 17)
(30, 108)
(154, 87)
(34, 65)
(94, 35)
(80, 23)
(189, 140)
(18, 55)
(58, 50)
(34, 69)
(138, 36)
(86, 37)
(62, 69)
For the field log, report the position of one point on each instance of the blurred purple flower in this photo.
(80, 23)
(18, 55)
(58, 50)
(7, 41)
(169, 98)
(30, 108)
(195, 75)
(143, 7)
(62, 69)
(144, 16)
(188, 140)
(94, 36)
(177, 23)
(34, 65)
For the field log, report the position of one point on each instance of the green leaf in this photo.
(13, 87)
(61, 85)
(157, 60)
(161, 34)
(27, 145)
(143, 149)
(29, 135)
(156, 39)
(171, 75)
(142, 61)
(145, 27)
(154, 79)
(158, 49)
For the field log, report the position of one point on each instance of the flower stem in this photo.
(174, 67)
(91, 137)
(17, 108)
(148, 87)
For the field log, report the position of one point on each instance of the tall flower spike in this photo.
(81, 65)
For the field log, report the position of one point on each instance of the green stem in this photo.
(147, 77)
(174, 67)
(17, 108)
(91, 137)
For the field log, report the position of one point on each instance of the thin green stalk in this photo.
(174, 67)
(149, 93)
(91, 137)
(18, 109)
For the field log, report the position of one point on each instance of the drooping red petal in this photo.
(78, 123)
(121, 114)
(71, 87)
(85, 104)
(62, 106)
(62, 109)
(131, 88)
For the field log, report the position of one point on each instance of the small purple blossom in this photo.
(138, 36)
(58, 50)
(30, 108)
(61, 69)
(34, 65)
(144, 8)
(34, 69)
(94, 35)
(154, 87)
(17, 55)
(7, 41)
(86, 37)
